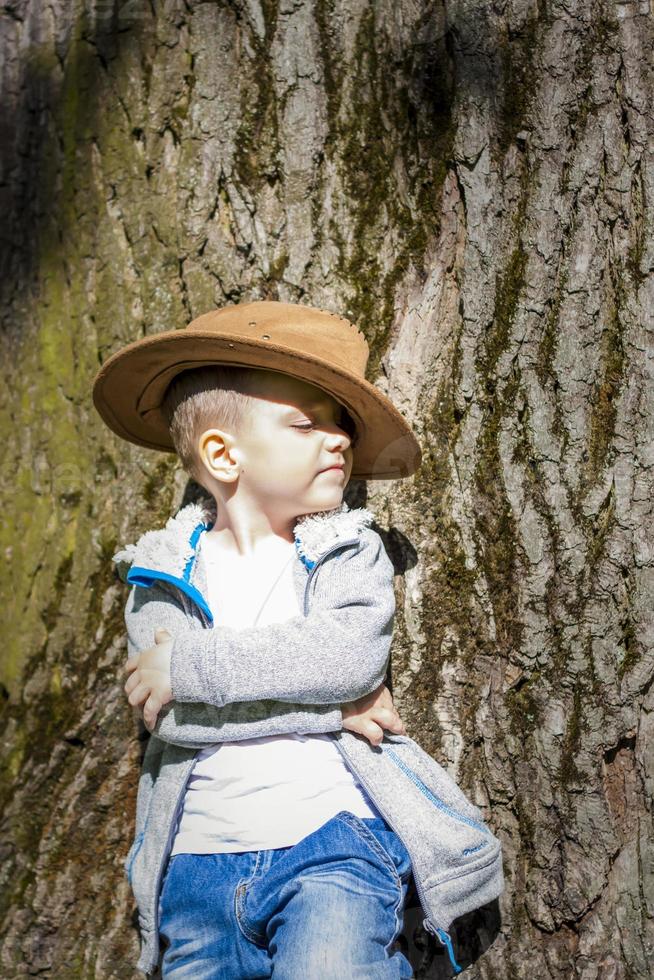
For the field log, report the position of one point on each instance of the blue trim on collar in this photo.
(146, 577)
(303, 558)
(193, 541)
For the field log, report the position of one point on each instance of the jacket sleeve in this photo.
(196, 725)
(337, 653)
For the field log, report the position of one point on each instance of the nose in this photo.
(339, 440)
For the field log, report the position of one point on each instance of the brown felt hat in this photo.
(314, 345)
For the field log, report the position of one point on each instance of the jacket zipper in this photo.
(435, 930)
(318, 563)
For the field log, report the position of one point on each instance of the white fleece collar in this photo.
(169, 549)
(317, 533)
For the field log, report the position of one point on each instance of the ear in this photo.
(218, 455)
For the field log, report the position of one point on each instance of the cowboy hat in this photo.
(314, 345)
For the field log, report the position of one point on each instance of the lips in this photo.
(336, 466)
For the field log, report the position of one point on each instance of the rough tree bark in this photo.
(473, 182)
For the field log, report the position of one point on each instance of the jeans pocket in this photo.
(240, 899)
(392, 844)
(384, 842)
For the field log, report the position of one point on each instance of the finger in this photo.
(397, 724)
(151, 710)
(390, 720)
(131, 682)
(374, 733)
(386, 701)
(161, 635)
(383, 716)
(132, 663)
(139, 694)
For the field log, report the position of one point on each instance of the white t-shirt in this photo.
(267, 792)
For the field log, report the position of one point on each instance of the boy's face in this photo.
(283, 451)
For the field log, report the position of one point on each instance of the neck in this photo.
(248, 532)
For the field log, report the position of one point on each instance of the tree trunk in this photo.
(472, 183)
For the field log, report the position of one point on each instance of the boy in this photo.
(285, 843)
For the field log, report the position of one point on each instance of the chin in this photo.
(335, 500)
(330, 499)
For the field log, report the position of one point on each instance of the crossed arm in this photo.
(312, 674)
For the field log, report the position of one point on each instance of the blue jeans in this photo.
(328, 908)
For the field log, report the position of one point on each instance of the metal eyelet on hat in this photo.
(265, 336)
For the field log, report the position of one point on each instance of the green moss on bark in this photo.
(449, 613)
(568, 772)
(62, 578)
(496, 533)
(524, 704)
(256, 145)
(519, 74)
(419, 116)
(604, 395)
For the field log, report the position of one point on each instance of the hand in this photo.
(149, 679)
(372, 713)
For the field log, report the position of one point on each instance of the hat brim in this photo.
(129, 388)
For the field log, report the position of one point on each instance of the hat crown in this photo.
(301, 329)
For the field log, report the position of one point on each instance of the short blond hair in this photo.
(216, 395)
(223, 396)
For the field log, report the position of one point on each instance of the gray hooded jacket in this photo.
(287, 677)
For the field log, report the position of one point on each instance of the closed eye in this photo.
(348, 428)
